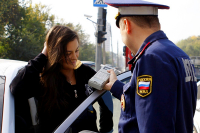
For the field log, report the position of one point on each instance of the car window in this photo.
(126, 80)
(66, 124)
(2, 83)
(116, 113)
(124, 77)
(89, 63)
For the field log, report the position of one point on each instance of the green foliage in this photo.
(87, 52)
(190, 46)
(22, 31)
(22, 37)
(83, 37)
(108, 57)
(9, 13)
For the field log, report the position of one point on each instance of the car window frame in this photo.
(9, 69)
(78, 111)
(2, 90)
(64, 126)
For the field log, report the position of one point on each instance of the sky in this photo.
(181, 21)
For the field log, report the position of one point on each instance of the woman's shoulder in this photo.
(83, 67)
(86, 68)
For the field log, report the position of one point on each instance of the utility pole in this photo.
(104, 54)
(111, 45)
(101, 21)
(117, 55)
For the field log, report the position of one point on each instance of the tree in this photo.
(190, 46)
(22, 30)
(10, 17)
(87, 52)
(83, 37)
(24, 33)
(108, 58)
(9, 14)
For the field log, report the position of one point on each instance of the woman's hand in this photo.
(44, 51)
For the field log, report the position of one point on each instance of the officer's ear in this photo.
(127, 25)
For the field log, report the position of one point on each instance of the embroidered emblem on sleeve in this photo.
(123, 102)
(144, 85)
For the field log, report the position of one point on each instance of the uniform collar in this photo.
(150, 39)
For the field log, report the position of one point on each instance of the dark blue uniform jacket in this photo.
(161, 95)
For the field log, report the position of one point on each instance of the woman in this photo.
(56, 78)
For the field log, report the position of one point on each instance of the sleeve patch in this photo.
(144, 85)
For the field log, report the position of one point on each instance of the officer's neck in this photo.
(139, 35)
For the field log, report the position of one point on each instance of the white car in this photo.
(8, 70)
(196, 128)
(89, 63)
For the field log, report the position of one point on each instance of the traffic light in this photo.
(124, 51)
(104, 19)
(100, 38)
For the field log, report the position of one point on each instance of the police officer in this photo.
(161, 95)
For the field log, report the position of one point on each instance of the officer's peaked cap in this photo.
(134, 7)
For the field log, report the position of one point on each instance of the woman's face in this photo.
(72, 54)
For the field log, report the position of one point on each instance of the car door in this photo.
(2, 84)
(65, 126)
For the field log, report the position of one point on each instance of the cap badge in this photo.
(117, 15)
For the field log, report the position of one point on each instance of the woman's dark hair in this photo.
(53, 96)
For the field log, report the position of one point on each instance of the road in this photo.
(116, 113)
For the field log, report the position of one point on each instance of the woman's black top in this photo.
(27, 84)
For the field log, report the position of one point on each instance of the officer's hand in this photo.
(112, 80)
(44, 51)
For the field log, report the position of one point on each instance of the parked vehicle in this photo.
(196, 62)
(128, 56)
(89, 63)
(8, 70)
(197, 112)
